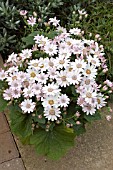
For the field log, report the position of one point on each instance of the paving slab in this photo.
(14, 164)
(8, 149)
(92, 151)
(3, 123)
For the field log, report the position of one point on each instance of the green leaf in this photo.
(3, 104)
(79, 129)
(91, 118)
(28, 40)
(53, 144)
(42, 120)
(21, 124)
(73, 91)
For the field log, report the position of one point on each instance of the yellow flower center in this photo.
(74, 77)
(68, 43)
(70, 69)
(51, 64)
(79, 65)
(14, 77)
(51, 102)
(63, 78)
(52, 112)
(98, 100)
(61, 61)
(42, 66)
(35, 64)
(28, 105)
(88, 71)
(50, 89)
(93, 61)
(89, 95)
(87, 82)
(33, 74)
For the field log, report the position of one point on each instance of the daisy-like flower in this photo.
(36, 88)
(2, 75)
(26, 53)
(34, 64)
(32, 74)
(51, 89)
(78, 65)
(87, 82)
(7, 95)
(82, 12)
(61, 29)
(63, 100)
(12, 77)
(28, 106)
(62, 62)
(16, 84)
(89, 94)
(75, 31)
(31, 21)
(89, 109)
(52, 113)
(42, 78)
(51, 62)
(43, 64)
(28, 92)
(90, 71)
(41, 41)
(12, 70)
(52, 73)
(94, 60)
(54, 21)
(12, 58)
(23, 12)
(100, 101)
(16, 93)
(50, 49)
(62, 78)
(81, 101)
(50, 101)
(74, 77)
(22, 76)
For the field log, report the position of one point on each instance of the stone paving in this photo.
(9, 154)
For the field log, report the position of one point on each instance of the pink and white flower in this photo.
(28, 106)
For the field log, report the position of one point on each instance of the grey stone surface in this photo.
(3, 124)
(14, 164)
(93, 151)
(8, 149)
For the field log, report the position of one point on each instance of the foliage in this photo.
(55, 143)
(99, 21)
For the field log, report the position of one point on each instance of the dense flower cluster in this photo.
(70, 61)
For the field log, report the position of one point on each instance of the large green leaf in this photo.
(79, 129)
(3, 104)
(53, 144)
(21, 124)
(94, 117)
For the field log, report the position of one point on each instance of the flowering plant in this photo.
(54, 88)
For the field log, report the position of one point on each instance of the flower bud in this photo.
(35, 14)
